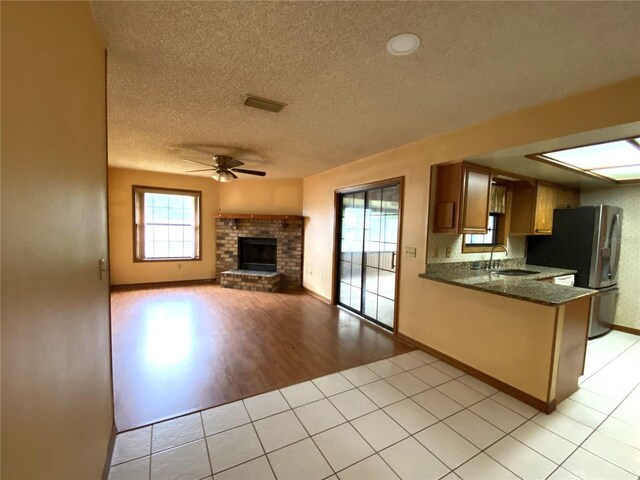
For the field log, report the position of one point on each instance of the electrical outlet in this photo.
(435, 252)
(448, 252)
(179, 266)
(410, 252)
(321, 275)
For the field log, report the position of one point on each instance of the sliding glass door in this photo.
(368, 242)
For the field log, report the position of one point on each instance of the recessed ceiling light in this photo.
(403, 44)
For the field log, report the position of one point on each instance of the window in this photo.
(485, 239)
(166, 224)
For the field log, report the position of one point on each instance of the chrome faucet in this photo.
(490, 265)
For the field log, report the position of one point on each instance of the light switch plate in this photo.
(410, 252)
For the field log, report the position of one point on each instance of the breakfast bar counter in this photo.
(529, 288)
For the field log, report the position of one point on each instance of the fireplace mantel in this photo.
(252, 216)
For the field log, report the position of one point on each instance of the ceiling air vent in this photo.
(264, 104)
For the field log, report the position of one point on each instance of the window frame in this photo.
(137, 201)
(502, 227)
(479, 247)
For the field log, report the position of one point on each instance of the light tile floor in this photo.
(410, 417)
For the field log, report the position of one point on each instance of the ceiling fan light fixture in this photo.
(403, 44)
(222, 176)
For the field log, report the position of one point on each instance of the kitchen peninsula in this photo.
(530, 287)
(522, 334)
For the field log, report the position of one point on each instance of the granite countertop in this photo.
(527, 288)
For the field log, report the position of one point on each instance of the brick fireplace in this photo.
(258, 233)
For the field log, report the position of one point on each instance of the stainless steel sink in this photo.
(514, 272)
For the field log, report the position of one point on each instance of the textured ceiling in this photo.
(178, 73)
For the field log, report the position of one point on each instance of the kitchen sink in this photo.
(514, 272)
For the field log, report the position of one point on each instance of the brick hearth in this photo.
(251, 280)
(286, 231)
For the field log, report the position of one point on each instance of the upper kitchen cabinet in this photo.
(567, 197)
(533, 205)
(462, 198)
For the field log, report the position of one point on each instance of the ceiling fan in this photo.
(224, 167)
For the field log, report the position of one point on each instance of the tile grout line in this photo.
(206, 444)
(257, 435)
(482, 450)
(377, 452)
(305, 428)
(150, 450)
(227, 430)
(540, 453)
(423, 446)
(264, 451)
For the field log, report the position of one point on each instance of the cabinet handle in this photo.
(542, 231)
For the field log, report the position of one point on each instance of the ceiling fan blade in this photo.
(201, 170)
(199, 163)
(234, 163)
(249, 172)
(232, 174)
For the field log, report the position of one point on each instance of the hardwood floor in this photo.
(183, 349)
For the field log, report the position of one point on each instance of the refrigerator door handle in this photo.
(614, 245)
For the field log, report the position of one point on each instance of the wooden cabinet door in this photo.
(476, 186)
(568, 198)
(574, 198)
(523, 205)
(447, 198)
(546, 197)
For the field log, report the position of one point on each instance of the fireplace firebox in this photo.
(257, 254)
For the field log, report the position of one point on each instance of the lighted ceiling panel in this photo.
(618, 160)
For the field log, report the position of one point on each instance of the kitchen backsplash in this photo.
(456, 266)
(439, 242)
(627, 198)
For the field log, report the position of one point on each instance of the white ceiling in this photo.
(178, 73)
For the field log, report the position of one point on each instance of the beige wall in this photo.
(263, 196)
(423, 309)
(627, 198)
(123, 269)
(56, 387)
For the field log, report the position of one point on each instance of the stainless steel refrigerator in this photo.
(586, 239)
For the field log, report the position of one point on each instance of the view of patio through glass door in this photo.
(368, 242)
